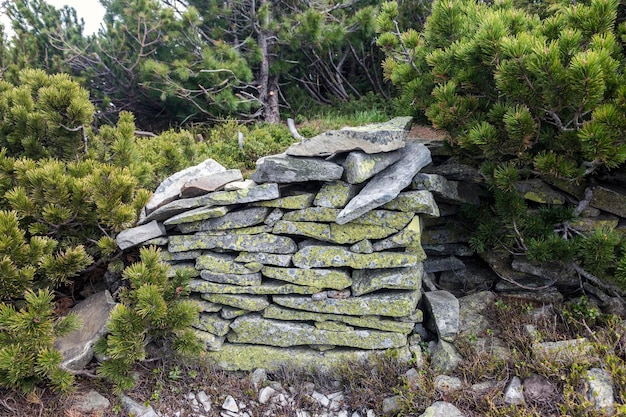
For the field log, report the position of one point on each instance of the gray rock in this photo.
(312, 214)
(133, 408)
(195, 215)
(224, 263)
(449, 263)
(242, 301)
(287, 169)
(474, 277)
(359, 166)
(444, 357)
(442, 312)
(362, 246)
(370, 280)
(392, 405)
(265, 394)
(563, 352)
(335, 194)
(538, 191)
(471, 307)
(298, 201)
(445, 190)
(262, 242)
(374, 138)
(270, 288)
(421, 202)
(77, 347)
(264, 258)
(611, 199)
(443, 235)
(457, 172)
(387, 184)
(239, 185)
(445, 383)
(233, 279)
(409, 237)
(233, 220)
(562, 275)
(139, 234)
(91, 403)
(456, 249)
(442, 409)
(170, 188)
(206, 184)
(514, 393)
(538, 390)
(334, 256)
(210, 341)
(230, 313)
(598, 388)
(258, 378)
(319, 278)
(274, 216)
(213, 324)
(230, 404)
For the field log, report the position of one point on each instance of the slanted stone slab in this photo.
(373, 138)
(611, 199)
(263, 242)
(291, 202)
(264, 258)
(369, 280)
(77, 347)
(359, 166)
(170, 188)
(224, 263)
(387, 184)
(538, 191)
(442, 311)
(136, 235)
(212, 323)
(446, 190)
(270, 288)
(333, 256)
(233, 279)
(312, 214)
(390, 304)
(363, 246)
(246, 357)
(409, 237)
(420, 202)
(204, 185)
(196, 215)
(372, 322)
(319, 278)
(319, 231)
(233, 220)
(335, 194)
(209, 340)
(239, 185)
(284, 169)
(241, 301)
(258, 330)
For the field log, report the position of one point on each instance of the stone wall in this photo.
(317, 258)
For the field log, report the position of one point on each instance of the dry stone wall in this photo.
(317, 259)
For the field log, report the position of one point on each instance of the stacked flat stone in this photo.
(317, 260)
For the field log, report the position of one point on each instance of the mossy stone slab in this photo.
(538, 191)
(196, 215)
(205, 306)
(369, 280)
(241, 301)
(385, 218)
(264, 258)
(589, 224)
(292, 202)
(333, 256)
(269, 288)
(335, 194)
(285, 169)
(312, 214)
(352, 232)
(359, 166)
(232, 279)
(230, 313)
(409, 237)
(390, 304)
(212, 323)
(209, 340)
(235, 219)
(421, 202)
(246, 357)
(611, 199)
(224, 263)
(255, 329)
(209, 183)
(333, 326)
(319, 231)
(319, 278)
(263, 242)
(368, 322)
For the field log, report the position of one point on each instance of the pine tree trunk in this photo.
(268, 85)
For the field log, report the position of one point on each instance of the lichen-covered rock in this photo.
(538, 191)
(195, 215)
(233, 279)
(258, 330)
(167, 256)
(384, 218)
(264, 258)
(563, 352)
(333, 256)
(391, 304)
(444, 357)
(359, 166)
(205, 306)
(209, 340)
(335, 194)
(442, 310)
(274, 216)
(235, 219)
(445, 263)
(290, 202)
(319, 231)
(369, 280)
(287, 169)
(312, 214)
(242, 301)
(598, 388)
(443, 235)
(362, 246)
(442, 409)
(188, 268)
(353, 232)
(224, 263)
(263, 242)
(270, 288)
(409, 237)
(213, 324)
(371, 322)
(319, 278)
(420, 202)
(387, 184)
(230, 313)
(139, 234)
(589, 224)
(239, 185)
(201, 185)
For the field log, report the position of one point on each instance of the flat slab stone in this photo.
(196, 215)
(333, 256)
(284, 169)
(538, 191)
(409, 237)
(439, 264)
(233, 279)
(387, 184)
(269, 288)
(312, 214)
(369, 280)
(372, 322)
(212, 323)
(354, 232)
(209, 183)
(447, 190)
(235, 219)
(442, 310)
(611, 199)
(264, 258)
(170, 188)
(242, 301)
(390, 304)
(258, 330)
(319, 231)
(335, 194)
(139, 234)
(77, 347)
(359, 166)
(373, 138)
(263, 242)
(290, 202)
(319, 278)
(420, 202)
(224, 263)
